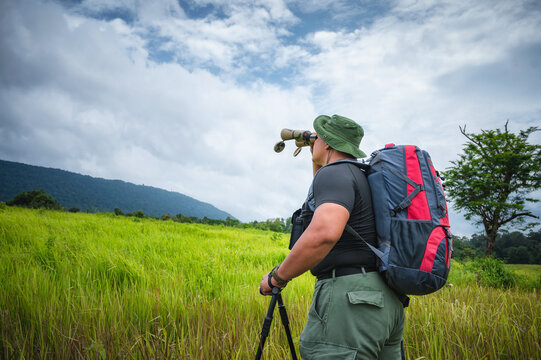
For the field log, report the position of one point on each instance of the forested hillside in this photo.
(73, 190)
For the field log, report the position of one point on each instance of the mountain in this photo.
(84, 192)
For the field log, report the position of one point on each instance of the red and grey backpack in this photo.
(414, 242)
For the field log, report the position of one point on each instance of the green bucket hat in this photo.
(340, 133)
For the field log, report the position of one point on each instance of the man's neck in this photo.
(337, 156)
(334, 156)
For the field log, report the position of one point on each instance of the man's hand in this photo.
(264, 288)
(315, 167)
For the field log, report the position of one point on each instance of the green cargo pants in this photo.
(353, 317)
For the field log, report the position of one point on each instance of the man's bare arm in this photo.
(316, 242)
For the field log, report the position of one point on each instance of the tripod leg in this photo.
(285, 322)
(266, 327)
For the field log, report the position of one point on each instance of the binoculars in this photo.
(302, 138)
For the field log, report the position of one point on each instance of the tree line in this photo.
(39, 199)
(513, 248)
(275, 224)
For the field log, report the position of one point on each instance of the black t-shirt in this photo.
(346, 185)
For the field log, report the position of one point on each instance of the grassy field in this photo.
(101, 286)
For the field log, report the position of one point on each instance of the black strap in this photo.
(417, 188)
(376, 251)
(346, 270)
(269, 278)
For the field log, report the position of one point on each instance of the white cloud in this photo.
(85, 94)
(244, 31)
(103, 111)
(388, 76)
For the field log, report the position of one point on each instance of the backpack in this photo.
(414, 244)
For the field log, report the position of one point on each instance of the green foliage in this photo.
(166, 217)
(35, 199)
(464, 249)
(493, 178)
(277, 224)
(276, 237)
(519, 248)
(513, 248)
(492, 272)
(138, 214)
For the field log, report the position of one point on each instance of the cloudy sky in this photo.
(190, 95)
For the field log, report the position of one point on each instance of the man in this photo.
(354, 314)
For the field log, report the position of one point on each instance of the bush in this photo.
(138, 214)
(166, 217)
(35, 199)
(493, 272)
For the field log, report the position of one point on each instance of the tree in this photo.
(493, 178)
(35, 199)
(166, 217)
(138, 214)
(518, 255)
(463, 249)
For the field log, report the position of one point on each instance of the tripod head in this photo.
(302, 138)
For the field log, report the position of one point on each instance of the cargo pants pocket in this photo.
(316, 324)
(368, 297)
(321, 301)
(368, 327)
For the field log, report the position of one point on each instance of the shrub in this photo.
(166, 217)
(276, 237)
(138, 214)
(493, 272)
(35, 199)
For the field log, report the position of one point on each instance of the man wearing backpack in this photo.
(354, 314)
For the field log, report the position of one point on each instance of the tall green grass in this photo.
(100, 286)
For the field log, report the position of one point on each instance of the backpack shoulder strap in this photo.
(382, 256)
(363, 167)
(360, 165)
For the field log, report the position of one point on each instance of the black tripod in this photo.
(276, 297)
